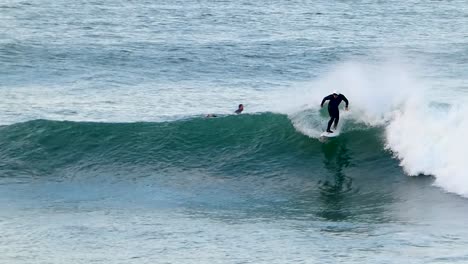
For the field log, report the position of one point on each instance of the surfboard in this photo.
(330, 135)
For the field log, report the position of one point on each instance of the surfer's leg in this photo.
(330, 113)
(337, 119)
(329, 124)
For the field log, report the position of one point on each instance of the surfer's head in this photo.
(240, 109)
(335, 94)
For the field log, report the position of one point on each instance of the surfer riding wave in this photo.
(334, 101)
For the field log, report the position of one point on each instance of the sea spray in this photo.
(374, 92)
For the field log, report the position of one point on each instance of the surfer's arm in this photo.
(324, 99)
(346, 100)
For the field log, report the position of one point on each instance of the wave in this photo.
(392, 116)
(260, 144)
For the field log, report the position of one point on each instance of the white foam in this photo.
(431, 140)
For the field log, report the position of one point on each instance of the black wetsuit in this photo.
(333, 110)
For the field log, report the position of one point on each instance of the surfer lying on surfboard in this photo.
(238, 111)
(335, 100)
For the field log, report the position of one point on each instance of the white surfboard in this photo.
(330, 135)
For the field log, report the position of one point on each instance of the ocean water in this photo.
(107, 157)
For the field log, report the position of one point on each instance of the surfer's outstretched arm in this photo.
(325, 99)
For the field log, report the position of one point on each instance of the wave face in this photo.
(265, 145)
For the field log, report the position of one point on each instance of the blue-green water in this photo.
(107, 155)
